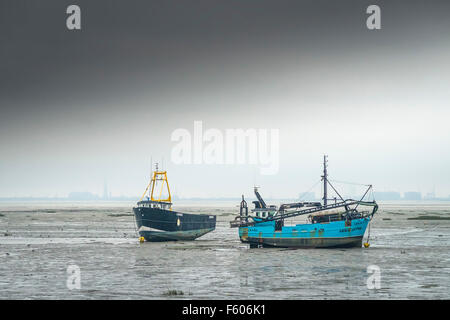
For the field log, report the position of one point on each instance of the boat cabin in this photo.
(155, 204)
(265, 212)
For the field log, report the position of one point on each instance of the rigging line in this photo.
(335, 190)
(346, 182)
(368, 189)
(145, 192)
(373, 194)
(304, 193)
(368, 233)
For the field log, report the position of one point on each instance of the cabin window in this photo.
(263, 214)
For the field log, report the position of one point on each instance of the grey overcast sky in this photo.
(82, 107)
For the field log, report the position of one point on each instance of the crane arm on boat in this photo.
(296, 213)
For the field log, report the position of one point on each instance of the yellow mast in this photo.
(158, 176)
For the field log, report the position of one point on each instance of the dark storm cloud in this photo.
(125, 45)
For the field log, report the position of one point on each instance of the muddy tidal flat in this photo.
(409, 242)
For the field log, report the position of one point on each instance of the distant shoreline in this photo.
(237, 199)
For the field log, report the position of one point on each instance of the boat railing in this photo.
(155, 204)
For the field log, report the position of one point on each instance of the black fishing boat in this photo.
(156, 221)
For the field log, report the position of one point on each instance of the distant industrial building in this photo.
(430, 196)
(105, 191)
(412, 195)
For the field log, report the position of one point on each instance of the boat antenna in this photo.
(325, 180)
(151, 174)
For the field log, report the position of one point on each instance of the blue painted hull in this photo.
(316, 235)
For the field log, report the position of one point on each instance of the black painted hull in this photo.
(156, 224)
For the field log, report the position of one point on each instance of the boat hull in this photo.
(337, 234)
(156, 224)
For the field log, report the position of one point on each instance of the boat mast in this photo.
(325, 180)
(160, 176)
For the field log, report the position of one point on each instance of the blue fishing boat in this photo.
(337, 224)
